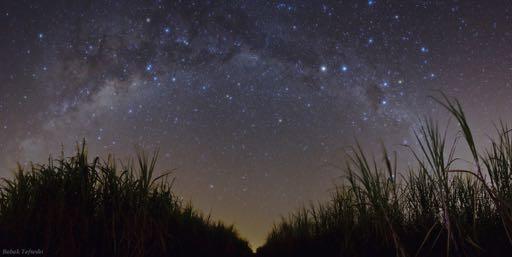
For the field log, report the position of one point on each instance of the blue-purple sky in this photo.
(251, 101)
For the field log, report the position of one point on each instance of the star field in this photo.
(250, 101)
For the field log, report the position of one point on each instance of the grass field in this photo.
(76, 207)
(433, 209)
(79, 207)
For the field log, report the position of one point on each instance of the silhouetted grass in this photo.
(76, 207)
(430, 210)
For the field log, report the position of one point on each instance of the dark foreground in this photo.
(73, 207)
(76, 207)
(430, 209)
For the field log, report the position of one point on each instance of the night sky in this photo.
(251, 101)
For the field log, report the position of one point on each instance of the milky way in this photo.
(250, 101)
